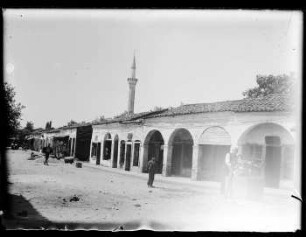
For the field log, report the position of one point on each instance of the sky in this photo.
(74, 64)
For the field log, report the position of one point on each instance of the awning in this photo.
(61, 137)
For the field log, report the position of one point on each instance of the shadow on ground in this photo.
(24, 216)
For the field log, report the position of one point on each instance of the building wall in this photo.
(49, 136)
(236, 125)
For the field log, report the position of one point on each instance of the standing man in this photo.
(230, 165)
(47, 152)
(151, 170)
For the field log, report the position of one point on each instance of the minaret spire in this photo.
(134, 67)
(132, 81)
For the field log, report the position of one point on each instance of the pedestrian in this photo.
(151, 170)
(229, 168)
(47, 150)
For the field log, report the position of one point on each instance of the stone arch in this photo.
(272, 129)
(215, 135)
(177, 131)
(214, 143)
(271, 145)
(153, 147)
(181, 142)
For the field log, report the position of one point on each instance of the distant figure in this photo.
(47, 150)
(151, 170)
(230, 165)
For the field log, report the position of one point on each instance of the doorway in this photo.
(181, 160)
(155, 143)
(273, 159)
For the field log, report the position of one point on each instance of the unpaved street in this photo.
(63, 196)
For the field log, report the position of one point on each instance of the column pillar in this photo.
(70, 148)
(297, 168)
(90, 149)
(168, 149)
(119, 153)
(195, 162)
(73, 146)
(112, 153)
(132, 155)
(140, 158)
(143, 158)
(282, 167)
(124, 162)
(102, 151)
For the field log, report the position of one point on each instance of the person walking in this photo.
(47, 152)
(151, 170)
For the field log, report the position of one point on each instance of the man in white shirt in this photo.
(230, 165)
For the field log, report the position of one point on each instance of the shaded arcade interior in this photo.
(268, 143)
(272, 145)
(181, 143)
(214, 144)
(154, 148)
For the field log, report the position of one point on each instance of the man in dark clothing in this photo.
(151, 170)
(47, 150)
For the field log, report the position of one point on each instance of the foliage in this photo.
(71, 123)
(21, 135)
(27, 130)
(48, 125)
(99, 119)
(29, 126)
(158, 108)
(281, 84)
(124, 114)
(13, 109)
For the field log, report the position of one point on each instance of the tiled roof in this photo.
(265, 104)
(131, 117)
(75, 126)
(55, 130)
(144, 114)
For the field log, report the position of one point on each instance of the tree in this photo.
(123, 114)
(71, 123)
(29, 126)
(158, 108)
(22, 133)
(48, 125)
(99, 119)
(14, 109)
(281, 84)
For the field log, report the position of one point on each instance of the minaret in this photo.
(132, 84)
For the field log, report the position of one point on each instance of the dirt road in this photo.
(63, 196)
